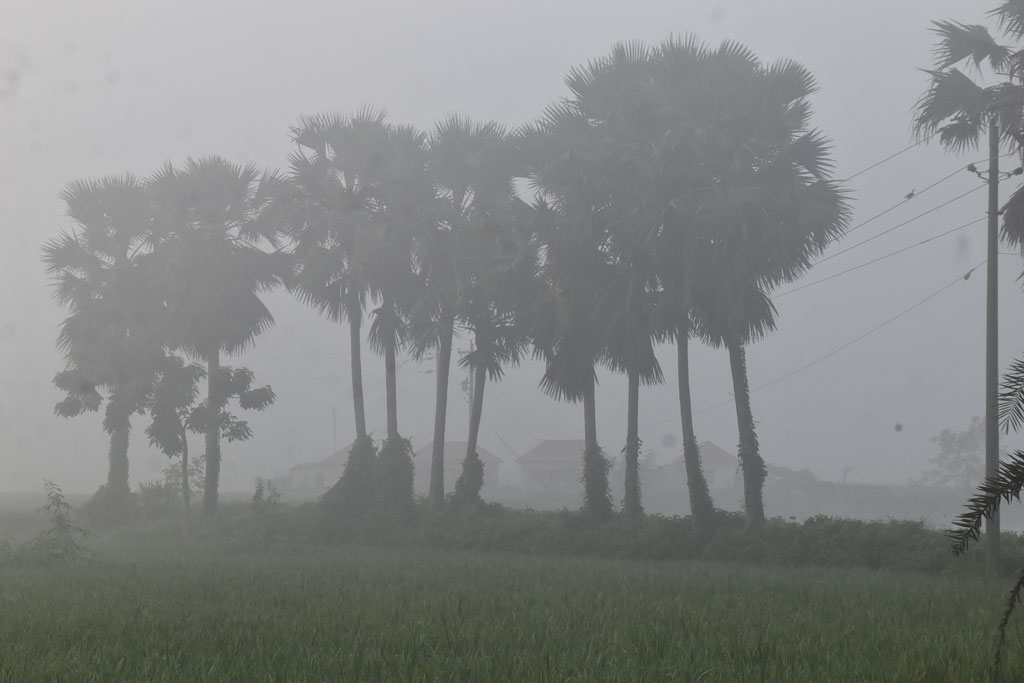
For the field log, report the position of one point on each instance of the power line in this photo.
(890, 157)
(880, 258)
(833, 352)
(899, 225)
(874, 329)
(910, 197)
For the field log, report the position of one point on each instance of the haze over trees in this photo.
(662, 202)
(669, 194)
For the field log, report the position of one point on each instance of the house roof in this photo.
(713, 454)
(554, 452)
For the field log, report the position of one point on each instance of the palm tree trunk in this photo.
(597, 499)
(117, 466)
(115, 496)
(471, 480)
(444, 364)
(754, 471)
(391, 385)
(355, 321)
(391, 376)
(213, 402)
(589, 416)
(631, 499)
(701, 506)
(186, 490)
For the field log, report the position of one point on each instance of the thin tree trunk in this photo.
(589, 416)
(391, 385)
(597, 496)
(701, 506)
(631, 499)
(444, 363)
(213, 402)
(186, 489)
(355, 322)
(471, 480)
(391, 375)
(477, 409)
(117, 465)
(754, 471)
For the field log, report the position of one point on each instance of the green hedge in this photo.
(894, 545)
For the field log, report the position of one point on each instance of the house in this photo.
(454, 454)
(314, 478)
(554, 466)
(721, 468)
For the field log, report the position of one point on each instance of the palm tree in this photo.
(959, 109)
(567, 329)
(629, 348)
(215, 220)
(463, 256)
(334, 174)
(403, 211)
(111, 339)
(499, 287)
(757, 207)
(581, 151)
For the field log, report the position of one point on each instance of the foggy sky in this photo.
(113, 87)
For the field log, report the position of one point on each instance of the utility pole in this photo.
(992, 347)
(334, 427)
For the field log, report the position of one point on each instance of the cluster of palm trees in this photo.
(662, 200)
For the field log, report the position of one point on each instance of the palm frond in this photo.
(1005, 486)
(1010, 15)
(959, 42)
(1011, 397)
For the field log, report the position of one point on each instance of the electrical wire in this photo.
(899, 225)
(839, 349)
(880, 258)
(890, 157)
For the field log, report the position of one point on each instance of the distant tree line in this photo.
(663, 199)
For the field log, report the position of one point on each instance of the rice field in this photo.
(393, 615)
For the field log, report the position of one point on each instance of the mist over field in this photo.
(511, 341)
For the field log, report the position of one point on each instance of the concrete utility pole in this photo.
(992, 347)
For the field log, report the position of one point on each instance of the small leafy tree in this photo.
(231, 384)
(171, 409)
(960, 460)
(58, 544)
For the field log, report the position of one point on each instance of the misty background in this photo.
(105, 87)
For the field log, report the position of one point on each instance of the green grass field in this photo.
(171, 614)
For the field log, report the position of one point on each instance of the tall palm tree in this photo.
(334, 174)
(499, 287)
(111, 339)
(216, 221)
(581, 152)
(474, 166)
(568, 332)
(403, 211)
(758, 204)
(630, 348)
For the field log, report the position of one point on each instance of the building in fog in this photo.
(721, 468)
(454, 454)
(312, 479)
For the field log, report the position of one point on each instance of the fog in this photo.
(101, 88)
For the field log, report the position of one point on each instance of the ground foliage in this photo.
(176, 612)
